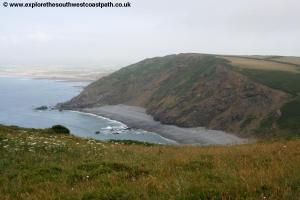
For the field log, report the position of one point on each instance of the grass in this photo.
(287, 59)
(258, 64)
(247, 121)
(290, 118)
(38, 164)
(286, 81)
(179, 84)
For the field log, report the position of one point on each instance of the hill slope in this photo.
(192, 90)
(37, 164)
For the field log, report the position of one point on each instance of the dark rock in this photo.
(42, 108)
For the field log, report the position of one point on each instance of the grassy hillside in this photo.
(191, 90)
(282, 73)
(38, 164)
(286, 59)
(265, 63)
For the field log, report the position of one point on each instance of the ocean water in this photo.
(20, 96)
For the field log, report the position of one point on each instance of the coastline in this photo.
(136, 117)
(123, 125)
(23, 107)
(74, 76)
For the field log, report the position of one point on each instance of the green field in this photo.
(286, 81)
(38, 164)
(287, 59)
(290, 119)
(263, 63)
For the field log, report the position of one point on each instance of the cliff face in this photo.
(187, 90)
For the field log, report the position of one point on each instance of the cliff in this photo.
(189, 90)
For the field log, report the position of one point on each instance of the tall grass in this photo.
(35, 164)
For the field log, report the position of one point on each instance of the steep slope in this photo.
(188, 90)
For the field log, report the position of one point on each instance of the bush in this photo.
(60, 129)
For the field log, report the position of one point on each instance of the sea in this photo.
(19, 96)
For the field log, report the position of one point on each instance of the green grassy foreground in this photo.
(38, 164)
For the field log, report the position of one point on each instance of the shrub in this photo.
(60, 129)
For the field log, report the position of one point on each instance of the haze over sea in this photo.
(20, 96)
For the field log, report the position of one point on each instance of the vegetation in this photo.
(59, 129)
(247, 121)
(39, 164)
(289, 122)
(131, 142)
(286, 81)
(187, 78)
(287, 59)
(263, 63)
(290, 119)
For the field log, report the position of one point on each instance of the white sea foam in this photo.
(120, 124)
(41, 92)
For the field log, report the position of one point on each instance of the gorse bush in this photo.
(60, 129)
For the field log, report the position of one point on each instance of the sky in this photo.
(115, 37)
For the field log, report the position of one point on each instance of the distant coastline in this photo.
(59, 75)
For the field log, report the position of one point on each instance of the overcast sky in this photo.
(90, 37)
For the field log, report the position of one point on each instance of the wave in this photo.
(121, 125)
